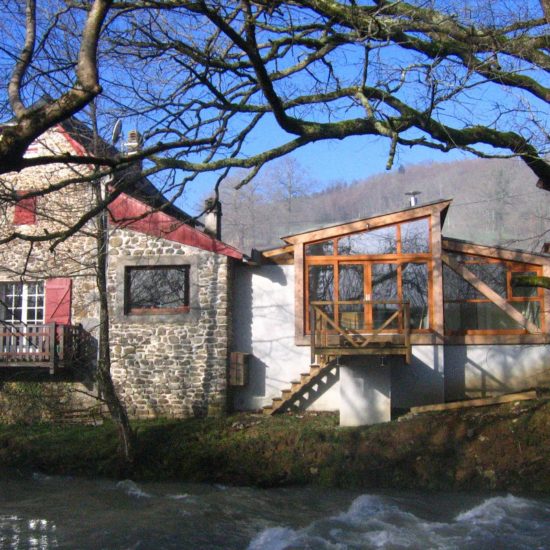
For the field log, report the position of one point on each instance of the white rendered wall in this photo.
(365, 391)
(263, 325)
(479, 371)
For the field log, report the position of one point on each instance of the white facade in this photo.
(364, 390)
(263, 326)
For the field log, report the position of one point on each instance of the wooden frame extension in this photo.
(434, 212)
(439, 255)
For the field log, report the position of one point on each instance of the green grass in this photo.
(433, 451)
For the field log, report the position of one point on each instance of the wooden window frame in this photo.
(128, 310)
(368, 260)
(511, 267)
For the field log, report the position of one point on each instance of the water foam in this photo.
(132, 489)
(374, 521)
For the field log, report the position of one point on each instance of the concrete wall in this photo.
(367, 389)
(480, 371)
(263, 325)
(422, 382)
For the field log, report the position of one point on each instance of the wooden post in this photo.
(53, 356)
(313, 328)
(407, 331)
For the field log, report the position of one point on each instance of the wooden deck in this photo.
(339, 328)
(50, 346)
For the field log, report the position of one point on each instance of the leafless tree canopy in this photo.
(215, 85)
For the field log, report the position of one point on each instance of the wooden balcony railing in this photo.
(360, 327)
(50, 346)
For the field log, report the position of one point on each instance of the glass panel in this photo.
(477, 316)
(320, 249)
(384, 287)
(321, 286)
(456, 288)
(415, 236)
(321, 283)
(14, 302)
(351, 287)
(493, 275)
(158, 287)
(414, 281)
(530, 310)
(524, 291)
(378, 241)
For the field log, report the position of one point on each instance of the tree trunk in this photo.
(106, 387)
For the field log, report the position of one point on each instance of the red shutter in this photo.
(58, 301)
(25, 211)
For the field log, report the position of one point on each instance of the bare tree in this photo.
(206, 79)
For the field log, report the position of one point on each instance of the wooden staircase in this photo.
(299, 387)
(330, 341)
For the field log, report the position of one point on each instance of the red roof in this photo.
(128, 212)
(131, 213)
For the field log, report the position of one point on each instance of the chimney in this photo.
(133, 143)
(413, 201)
(546, 248)
(213, 218)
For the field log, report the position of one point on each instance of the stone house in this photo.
(169, 289)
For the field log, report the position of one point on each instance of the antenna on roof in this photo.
(413, 194)
(115, 136)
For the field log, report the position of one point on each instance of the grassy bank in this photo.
(505, 447)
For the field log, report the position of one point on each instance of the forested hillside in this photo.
(494, 202)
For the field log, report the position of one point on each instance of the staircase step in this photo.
(287, 395)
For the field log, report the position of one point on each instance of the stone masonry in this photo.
(162, 365)
(170, 365)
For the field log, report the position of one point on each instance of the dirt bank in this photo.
(504, 447)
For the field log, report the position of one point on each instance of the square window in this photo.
(157, 290)
(22, 302)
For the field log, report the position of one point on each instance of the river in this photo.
(41, 512)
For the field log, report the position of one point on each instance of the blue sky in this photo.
(326, 162)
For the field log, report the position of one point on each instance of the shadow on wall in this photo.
(257, 374)
(247, 306)
(365, 391)
(480, 373)
(310, 393)
(243, 301)
(420, 383)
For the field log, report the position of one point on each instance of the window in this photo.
(22, 302)
(25, 210)
(365, 277)
(157, 290)
(469, 311)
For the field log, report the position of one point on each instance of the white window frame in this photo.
(9, 291)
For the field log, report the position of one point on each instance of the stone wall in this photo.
(170, 365)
